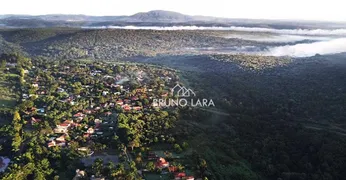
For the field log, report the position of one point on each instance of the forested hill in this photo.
(65, 43)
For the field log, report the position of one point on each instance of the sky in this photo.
(323, 10)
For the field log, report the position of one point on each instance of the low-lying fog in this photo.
(274, 42)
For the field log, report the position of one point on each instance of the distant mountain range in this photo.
(151, 18)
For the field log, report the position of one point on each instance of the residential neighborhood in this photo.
(104, 113)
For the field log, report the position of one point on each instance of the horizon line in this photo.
(225, 18)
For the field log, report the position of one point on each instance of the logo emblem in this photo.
(182, 91)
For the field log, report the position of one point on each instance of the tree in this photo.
(97, 167)
(185, 145)
(177, 148)
(139, 159)
(16, 142)
(150, 166)
(3, 64)
(16, 116)
(134, 143)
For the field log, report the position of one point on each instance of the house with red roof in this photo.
(63, 127)
(120, 102)
(56, 143)
(126, 107)
(88, 111)
(161, 163)
(172, 168)
(80, 114)
(137, 108)
(179, 175)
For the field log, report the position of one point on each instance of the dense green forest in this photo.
(109, 44)
(285, 117)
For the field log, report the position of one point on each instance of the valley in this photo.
(82, 106)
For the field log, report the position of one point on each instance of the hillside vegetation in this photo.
(113, 43)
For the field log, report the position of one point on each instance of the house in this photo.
(104, 105)
(108, 113)
(189, 178)
(88, 111)
(126, 107)
(60, 90)
(56, 143)
(161, 163)
(137, 108)
(40, 110)
(79, 115)
(90, 131)
(120, 102)
(99, 133)
(42, 92)
(63, 127)
(51, 144)
(83, 149)
(179, 175)
(35, 85)
(104, 93)
(68, 122)
(61, 143)
(107, 76)
(79, 174)
(172, 168)
(78, 119)
(60, 130)
(98, 121)
(62, 138)
(34, 120)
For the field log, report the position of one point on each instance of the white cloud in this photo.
(277, 38)
(305, 50)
